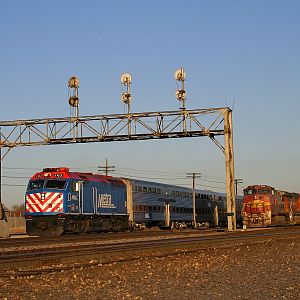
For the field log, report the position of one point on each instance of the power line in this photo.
(206, 180)
(241, 191)
(213, 187)
(150, 178)
(243, 187)
(171, 179)
(165, 172)
(143, 177)
(147, 171)
(5, 184)
(15, 177)
(19, 168)
(177, 178)
(119, 168)
(130, 175)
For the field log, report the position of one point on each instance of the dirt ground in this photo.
(269, 269)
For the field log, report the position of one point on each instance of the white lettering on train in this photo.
(105, 201)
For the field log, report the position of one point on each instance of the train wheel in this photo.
(72, 226)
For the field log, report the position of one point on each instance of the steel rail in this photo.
(90, 237)
(79, 252)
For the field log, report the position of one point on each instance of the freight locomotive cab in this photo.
(263, 190)
(264, 206)
(257, 206)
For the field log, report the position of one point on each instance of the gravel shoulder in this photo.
(269, 269)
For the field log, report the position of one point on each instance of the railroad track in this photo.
(21, 241)
(36, 261)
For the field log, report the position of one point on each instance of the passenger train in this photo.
(58, 201)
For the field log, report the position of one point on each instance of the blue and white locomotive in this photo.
(58, 201)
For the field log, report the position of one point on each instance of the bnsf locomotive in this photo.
(264, 206)
(58, 201)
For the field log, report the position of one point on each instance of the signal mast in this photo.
(180, 92)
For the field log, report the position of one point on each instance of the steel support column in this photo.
(229, 162)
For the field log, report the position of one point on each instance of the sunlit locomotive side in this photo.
(58, 201)
(264, 206)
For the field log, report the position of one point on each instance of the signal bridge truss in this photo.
(211, 122)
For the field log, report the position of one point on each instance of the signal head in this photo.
(73, 101)
(180, 75)
(125, 78)
(126, 97)
(180, 95)
(73, 82)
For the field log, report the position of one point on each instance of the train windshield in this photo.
(250, 191)
(55, 184)
(48, 184)
(35, 184)
(264, 191)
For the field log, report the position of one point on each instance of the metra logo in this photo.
(104, 201)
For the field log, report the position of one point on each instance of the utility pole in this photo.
(1, 207)
(194, 176)
(2, 212)
(0, 171)
(236, 182)
(106, 168)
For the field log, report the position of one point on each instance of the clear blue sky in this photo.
(243, 50)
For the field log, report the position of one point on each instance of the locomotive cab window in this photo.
(55, 184)
(250, 192)
(35, 184)
(74, 186)
(264, 191)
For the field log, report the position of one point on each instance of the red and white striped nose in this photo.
(44, 202)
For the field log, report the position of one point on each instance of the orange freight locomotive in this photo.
(264, 206)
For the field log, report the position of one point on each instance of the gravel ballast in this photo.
(268, 269)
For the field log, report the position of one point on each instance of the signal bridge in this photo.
(212, 122)
(120, 127)
(183, 123)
